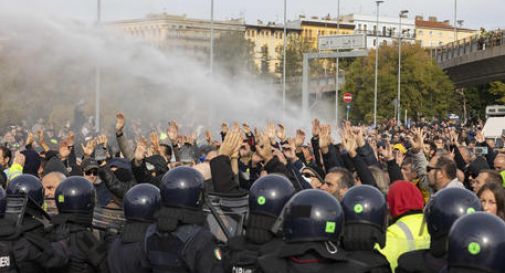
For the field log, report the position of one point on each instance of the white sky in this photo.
(475, 13)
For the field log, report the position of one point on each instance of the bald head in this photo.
(50, 182)
(499, 162)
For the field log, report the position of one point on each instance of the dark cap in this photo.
(89, 164)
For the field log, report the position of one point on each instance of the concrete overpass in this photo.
(474, 61)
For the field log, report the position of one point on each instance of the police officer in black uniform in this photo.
(179, 242)
(313, 224)
(139, 205)
(477, 244)
(75, 200)
(442, 211)
(267, 197)
(22, 237)
(365, 225)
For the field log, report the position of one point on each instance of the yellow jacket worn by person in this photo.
(407, 233)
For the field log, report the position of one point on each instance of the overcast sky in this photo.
(475, 13)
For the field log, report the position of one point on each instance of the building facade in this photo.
(387, 30)
(268, 42)
(433, 33)
(169, 32)
(312, 28)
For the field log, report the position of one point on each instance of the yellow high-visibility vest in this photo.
(407, 234)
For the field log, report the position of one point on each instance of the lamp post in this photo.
(337, 68)
(211, 61)
(455, 19)
(284, 65)
(97, 73)
(400, 34)
(376, 66)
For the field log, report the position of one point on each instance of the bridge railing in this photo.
(468, 45)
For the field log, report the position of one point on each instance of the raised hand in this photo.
(325, 138)
(173, 132)
(141, 149)
(299, 138)
(231, 143)
(264, 148)
(120, 122)
(281, 132)
(89, 148)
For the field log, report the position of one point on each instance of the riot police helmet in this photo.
(75, 194)
(269, 194)
(313, 215)
(141, 202)
(477, 244)
(182, 187)
(27, 185)
(365, 205)
(446, 206)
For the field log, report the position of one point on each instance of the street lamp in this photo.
(455, 19)
(211, 61)
(400, 34)
(284, 65)
(97, 73)
(376, 66)
(337, 67)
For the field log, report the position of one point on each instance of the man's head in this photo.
(499, 162)
(312, 177)
(5, 156)
(50, 181)
(441, 170)
(486, 176)
(90, 169)
(408, 171)
(337, 182)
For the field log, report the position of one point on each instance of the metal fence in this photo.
(475, 43)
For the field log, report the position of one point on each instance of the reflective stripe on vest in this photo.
(408, 235)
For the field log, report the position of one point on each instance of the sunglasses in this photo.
(429, 168)
(93, 172)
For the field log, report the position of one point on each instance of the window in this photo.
(374, 42)
(359, 26)
(365, 28)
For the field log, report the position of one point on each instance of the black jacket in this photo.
(421, 261)
(309, 257)
(241, 255)
(126, 254)
(373, 259)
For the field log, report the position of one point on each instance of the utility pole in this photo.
(337, 68)
(400, 34)
(211, 61)
(284, 64)
(97, 73)
(376, 66)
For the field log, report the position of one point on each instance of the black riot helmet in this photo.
(446, 206)
(3, 202)
(75, 194)
(366, 205)
(269, 194)
(477, 244)
(313, 215)
(182, 187)
(27, 185)
(141, 202)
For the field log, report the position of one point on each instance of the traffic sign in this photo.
(342, 42)
(347, 97)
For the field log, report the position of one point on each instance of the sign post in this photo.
(348, 99)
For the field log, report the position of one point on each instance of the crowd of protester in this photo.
(408, 165)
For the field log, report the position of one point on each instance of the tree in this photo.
(234, 54)
(498, 88)
(295, 47)
(425, 89)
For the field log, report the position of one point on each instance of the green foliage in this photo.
(425, 88)
(498, 89)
